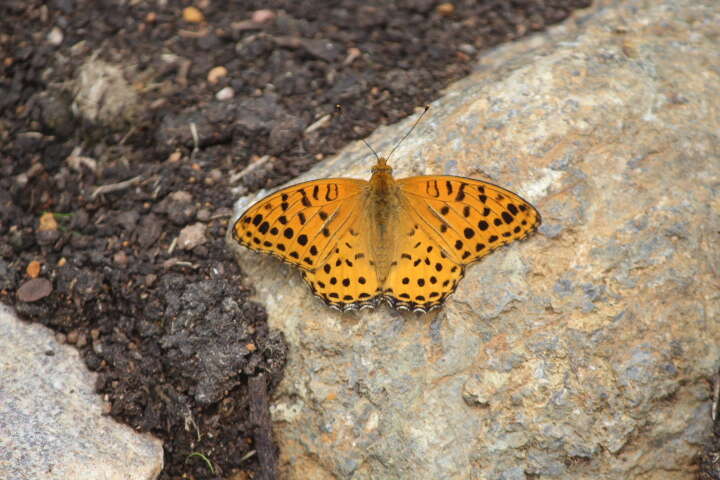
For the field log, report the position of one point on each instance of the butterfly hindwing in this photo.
(423, 274)
(301, 223)
(347, 279)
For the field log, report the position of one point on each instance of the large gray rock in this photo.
(583, 352)
(51, 422)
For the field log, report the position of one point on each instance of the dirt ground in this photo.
(112, 222)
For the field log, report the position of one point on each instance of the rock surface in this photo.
(583, 352)
(47, 401)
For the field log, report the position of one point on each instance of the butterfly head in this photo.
(381, 167)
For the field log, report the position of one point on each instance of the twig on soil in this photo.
(171, 248)
(196, 138)
(247, 455)
(262, 431)
(76, 160)
(115, 187)
(322, 122)
(23, 178)
(716, 398)
(250, 168)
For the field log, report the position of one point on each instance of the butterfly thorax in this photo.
(382, 206)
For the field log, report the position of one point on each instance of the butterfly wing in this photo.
(452, 221)
(319, 226)
(301, 223)
(423, 274)
(347, 279)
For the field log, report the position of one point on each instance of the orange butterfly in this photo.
(406, 242)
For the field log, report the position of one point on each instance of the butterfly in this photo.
(405, 242)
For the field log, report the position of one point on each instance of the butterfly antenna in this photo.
(371, 149)
(339, 111)
(427, 107)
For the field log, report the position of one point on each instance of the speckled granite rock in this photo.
(583, 352)
(51, 421)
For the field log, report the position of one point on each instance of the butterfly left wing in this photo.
(301, 223)
(319, 226)
(452, 221)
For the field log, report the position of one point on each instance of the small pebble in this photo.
(203, 215)
(445, 9)
(55, 36)
(34, 290)
(120, 258)
(72, 337)
(225, 94)
(193, 15)
(33, 269)
(47, 222)
(216, 73)
(216, 174)
(181, 196)
(263, 16)
(468, 49)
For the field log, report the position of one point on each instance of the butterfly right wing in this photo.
(447, 223)
(302, 223)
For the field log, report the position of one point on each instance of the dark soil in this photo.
(180, 350)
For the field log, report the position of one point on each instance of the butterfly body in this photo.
(382, 198)
(406, 242)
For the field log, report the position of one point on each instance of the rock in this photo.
(322, 49)
(54, 112)
(259, 114)
(209, 123)
(127, 219)
(47, 399)
(179, 207)
(284, 133)
(192, 236)
(584, 352)
(149, 230)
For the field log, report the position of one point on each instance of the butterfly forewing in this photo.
(301, 223)
(469, 218)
